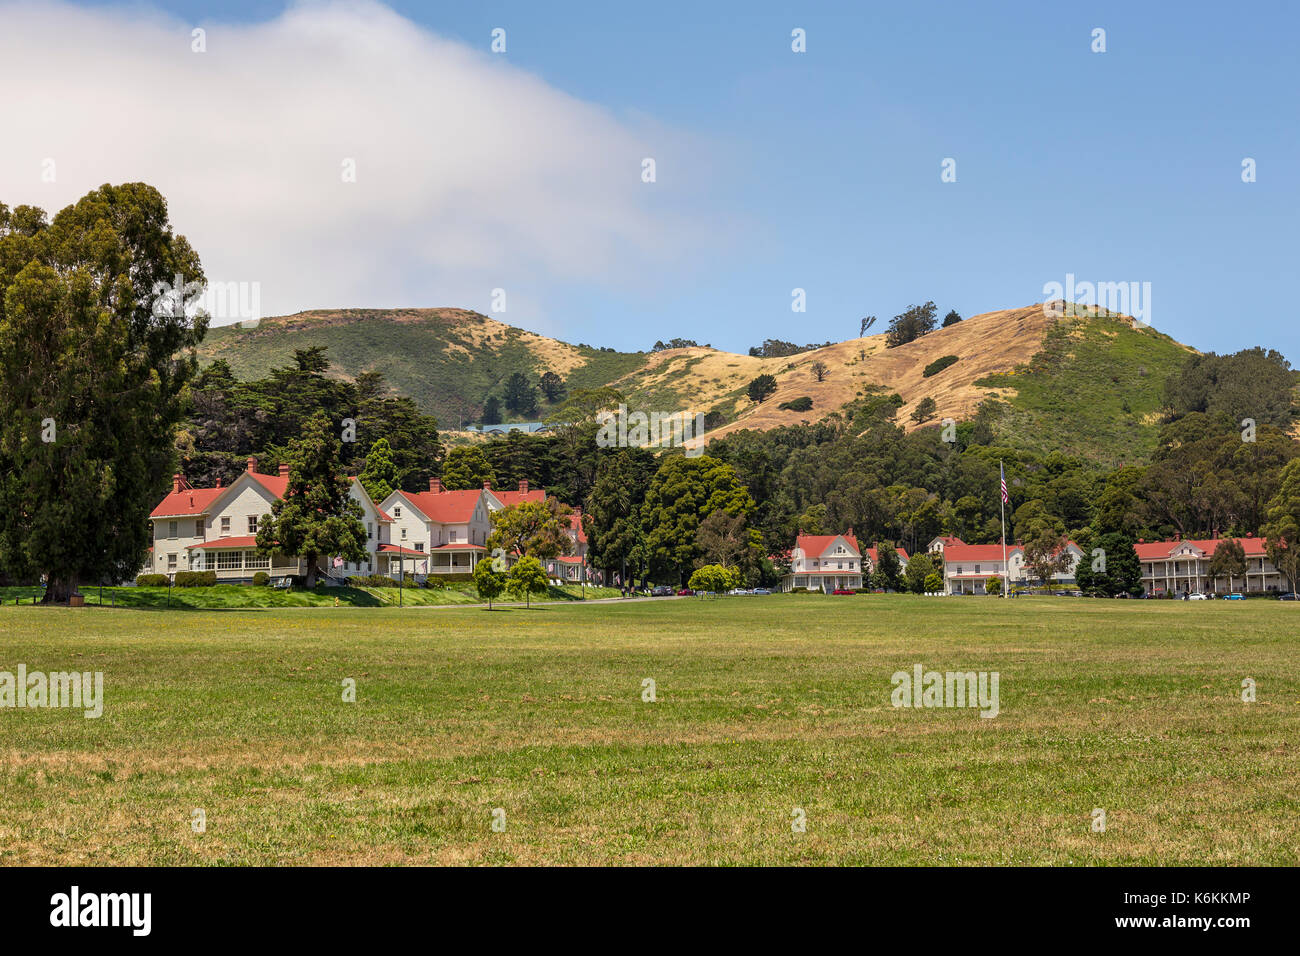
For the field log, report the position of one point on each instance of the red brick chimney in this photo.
(252, 464)
(176, 482)
(284, 471)
(1178, 536)
(523, 486)
(487, 486)
(435, 485)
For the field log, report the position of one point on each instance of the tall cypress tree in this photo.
(95, 350)
(316, 518)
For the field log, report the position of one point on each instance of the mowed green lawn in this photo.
(765, 704)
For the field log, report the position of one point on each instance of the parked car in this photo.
(1288, 596)
(842, 591)
(738, 592)
(760, 591)
(661, 590)
(1198, 597)
(685, 592)
(1234, 597)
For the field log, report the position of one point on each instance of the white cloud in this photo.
(471, 173)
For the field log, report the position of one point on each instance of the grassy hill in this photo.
(1089, 385)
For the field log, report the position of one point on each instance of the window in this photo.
(225, 525)
(397, 512)
(171, 562)
(370, 530)
(171, 529)
(451, 535)
(403, 534)
(253, 560)
(229, 560)
(419, 546)
(977, 569)
(252, 524)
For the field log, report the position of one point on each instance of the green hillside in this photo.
(1094, 390)
(448, 360)
(1093, 387)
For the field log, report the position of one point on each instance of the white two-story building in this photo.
(215, 529)
(967, 567)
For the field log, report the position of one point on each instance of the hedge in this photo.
(151, 581)
(938, 365)
(261, 579)
(801, 404)
(195, 579)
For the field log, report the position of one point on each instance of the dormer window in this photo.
(397, 513)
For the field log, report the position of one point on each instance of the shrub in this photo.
(801, 404)
(373, 581)
(261, 579)
(195, 579)
(151, 581)
(938, 365)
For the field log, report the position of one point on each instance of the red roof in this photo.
(509, 498)
(397, 549)
(871, 553)
(238, 541)
(1160, 550)
(275, 484)
(460, 546)
(188, 502)
(975, 552)
(447, 507)
(814, 545)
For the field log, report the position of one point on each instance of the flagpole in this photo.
(1002, 506)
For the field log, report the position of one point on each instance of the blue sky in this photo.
(821, 170)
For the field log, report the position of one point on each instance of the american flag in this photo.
(1006, 499)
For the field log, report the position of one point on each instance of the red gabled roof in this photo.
(237, 541)
(871, 553)
(950, 539)
(1160, 550)
(188, 502)
(275, 484)
(509, 498)
(460, 546)
(813, 545)
(447, 507)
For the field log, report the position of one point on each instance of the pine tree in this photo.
(316, 518)
(379, 477)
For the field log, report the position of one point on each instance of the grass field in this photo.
(226, 596)
(763, 705)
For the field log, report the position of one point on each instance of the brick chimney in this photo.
(435, 485)
(176, 482)
(252, 465)
(284, 471)
(523, 486)
(487, 486)
(1178, 536)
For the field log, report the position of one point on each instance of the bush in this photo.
(195, 579)
(151, 581)
(938, 365)
(261, 579)
(373, 581)
(801, 404)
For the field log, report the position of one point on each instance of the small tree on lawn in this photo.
(488, 581)
(714, 578)
(888, 572)
(316, 517)
(819, 369)
(527, 578)
(934, 582)
(991, 586)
